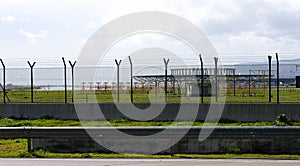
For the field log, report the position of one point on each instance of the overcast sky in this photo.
(46, 30)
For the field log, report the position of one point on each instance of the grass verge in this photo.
(17, 148)
(287, 94)
(7, 122)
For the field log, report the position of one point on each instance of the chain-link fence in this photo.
(246, 80)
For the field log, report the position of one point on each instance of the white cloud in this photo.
(236, 27)
(9, 18)
(24, 19)
(248, 38)
(67, 26)
(91, 25)
(32, 37)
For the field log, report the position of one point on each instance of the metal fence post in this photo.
(249, 84)
(277, 77)
(4, 91)
(166, 79)
(29, 149)
(31, 73)
(270, 73)
(216, 76)
(65, 75)
(234, 86)
(118, 79)
(131, 83)
(202, 80)
(72, 67)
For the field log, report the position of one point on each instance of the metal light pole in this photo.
(202, 79)
(277, 77)
(131, 83)
(31, 73)
(216, 76)
(65, 75)
(4, 91)
(72, 67)
(166, 79)
(118, 79)
(270, 68)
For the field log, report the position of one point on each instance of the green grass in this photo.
(287, 94)
(17, 148)
(43, 154)
(12, 147)
(7, 122)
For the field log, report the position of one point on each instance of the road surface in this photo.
(145, 162)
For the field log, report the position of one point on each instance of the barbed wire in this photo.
(189, 59)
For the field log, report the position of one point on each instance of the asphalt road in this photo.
(145, 162)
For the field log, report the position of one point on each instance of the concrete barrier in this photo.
(265, 140)
(242, 112)
(271, 140)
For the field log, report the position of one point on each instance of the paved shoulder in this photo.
(145, 162)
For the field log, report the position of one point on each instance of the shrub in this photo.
(25, 155)
(282, 120)
(234, 150)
